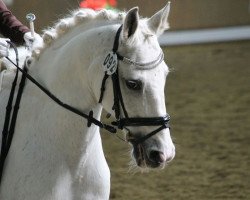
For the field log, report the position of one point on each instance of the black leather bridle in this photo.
(118, 107)
(126, 121)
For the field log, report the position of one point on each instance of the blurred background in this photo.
(185, 14)
(207, 96)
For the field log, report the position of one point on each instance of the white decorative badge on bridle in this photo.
(110, 63)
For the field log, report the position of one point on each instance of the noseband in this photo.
(126, 121)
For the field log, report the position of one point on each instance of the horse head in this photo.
(141, 83)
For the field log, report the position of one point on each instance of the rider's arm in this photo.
(10, 27)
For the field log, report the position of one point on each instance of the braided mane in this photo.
(75, 19)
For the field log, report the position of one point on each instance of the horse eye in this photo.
(134, 84)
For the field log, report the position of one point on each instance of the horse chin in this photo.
(142, 161)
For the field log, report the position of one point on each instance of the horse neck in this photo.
(67, 69)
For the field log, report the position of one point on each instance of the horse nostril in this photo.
(157, 157)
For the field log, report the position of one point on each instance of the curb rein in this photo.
(110, 66)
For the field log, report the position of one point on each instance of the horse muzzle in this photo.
(147, 154)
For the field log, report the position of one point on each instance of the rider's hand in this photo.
(4, 47)
(31, 41)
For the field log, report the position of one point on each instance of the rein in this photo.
(111, 65)
(10, 120)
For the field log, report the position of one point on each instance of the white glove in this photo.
(4, 47)
(31, 41)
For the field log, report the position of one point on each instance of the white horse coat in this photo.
(54, 155)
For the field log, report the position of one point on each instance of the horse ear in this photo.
(158, 23)
(130, 23)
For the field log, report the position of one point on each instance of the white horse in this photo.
(54, 155)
